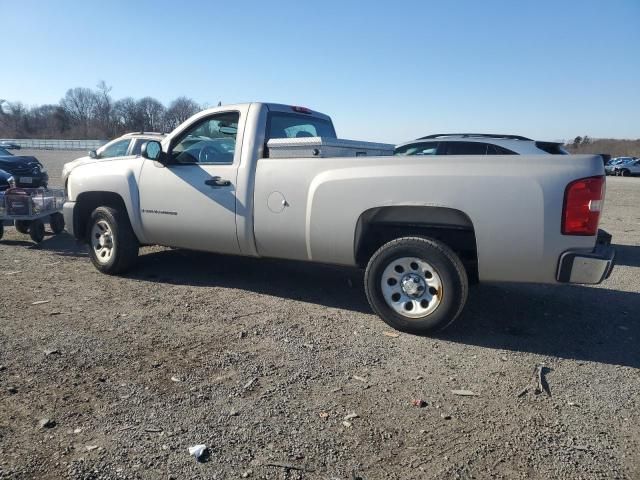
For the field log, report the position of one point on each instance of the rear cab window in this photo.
(296, 125)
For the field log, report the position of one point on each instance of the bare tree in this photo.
(179, 110)
(126, 115)
(79, 103)
(152, 113)
(103, 109)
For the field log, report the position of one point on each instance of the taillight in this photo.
(582, 205)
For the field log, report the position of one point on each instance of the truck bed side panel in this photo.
(514, 203)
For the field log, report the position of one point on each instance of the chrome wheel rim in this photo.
(411, 287)
(102, 241)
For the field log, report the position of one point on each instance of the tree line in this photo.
(85, 113)
(612, 146)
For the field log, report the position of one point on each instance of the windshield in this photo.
(5, 153)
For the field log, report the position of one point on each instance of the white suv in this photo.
(477, 144)
(128, 144)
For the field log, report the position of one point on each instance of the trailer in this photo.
(28, 209)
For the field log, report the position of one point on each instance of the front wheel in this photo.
(416, 285)
(625, 172)
(113, 247)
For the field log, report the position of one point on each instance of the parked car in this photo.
(478, 144)
(27, 171)
(627, 168)
(6, 181)
(609, 168)
(9, 145)
(421, 230)
(128, 144)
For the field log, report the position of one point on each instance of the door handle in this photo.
(217, 182)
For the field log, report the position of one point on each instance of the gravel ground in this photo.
(266, 362)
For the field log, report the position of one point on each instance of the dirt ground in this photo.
(266, 362)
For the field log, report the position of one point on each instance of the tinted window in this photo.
(117, 149)
(498, 150)
(212, 140)
(464, 148)
(552, 148)
(422, 148)
(292, 125)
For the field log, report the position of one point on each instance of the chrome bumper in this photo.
(590, 268)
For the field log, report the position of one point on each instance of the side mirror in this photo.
(93, 154)
(151, 150)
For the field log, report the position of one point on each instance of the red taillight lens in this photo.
(582, 205)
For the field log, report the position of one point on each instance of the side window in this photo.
(465, 148)
(498, 150)
(210, 141)
(117, 149)
(422, 148)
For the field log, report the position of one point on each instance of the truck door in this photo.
(190, 201)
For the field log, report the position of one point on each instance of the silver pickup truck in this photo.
(423, 228)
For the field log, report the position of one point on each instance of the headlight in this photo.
(35, 171)
(12, 182)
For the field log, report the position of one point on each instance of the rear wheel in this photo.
(36, 230)
(113, 247)
(417, 285)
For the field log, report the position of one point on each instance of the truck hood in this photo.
(77, 162)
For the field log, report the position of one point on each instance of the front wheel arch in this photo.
(87, 202)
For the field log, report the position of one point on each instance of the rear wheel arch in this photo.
(452, 227)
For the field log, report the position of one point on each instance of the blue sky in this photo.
(388, 72)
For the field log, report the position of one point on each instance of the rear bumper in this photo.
(39, 180)
(67, 212)
(589, 268)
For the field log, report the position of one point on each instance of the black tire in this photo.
(56, 222)
(448, 267)
(22, 226)
(36, 230)
(125, 243)
(625, 172)
(1, 229)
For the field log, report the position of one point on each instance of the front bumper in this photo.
(589, 268)
(67, 212)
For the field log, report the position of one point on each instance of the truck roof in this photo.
(274, 107)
